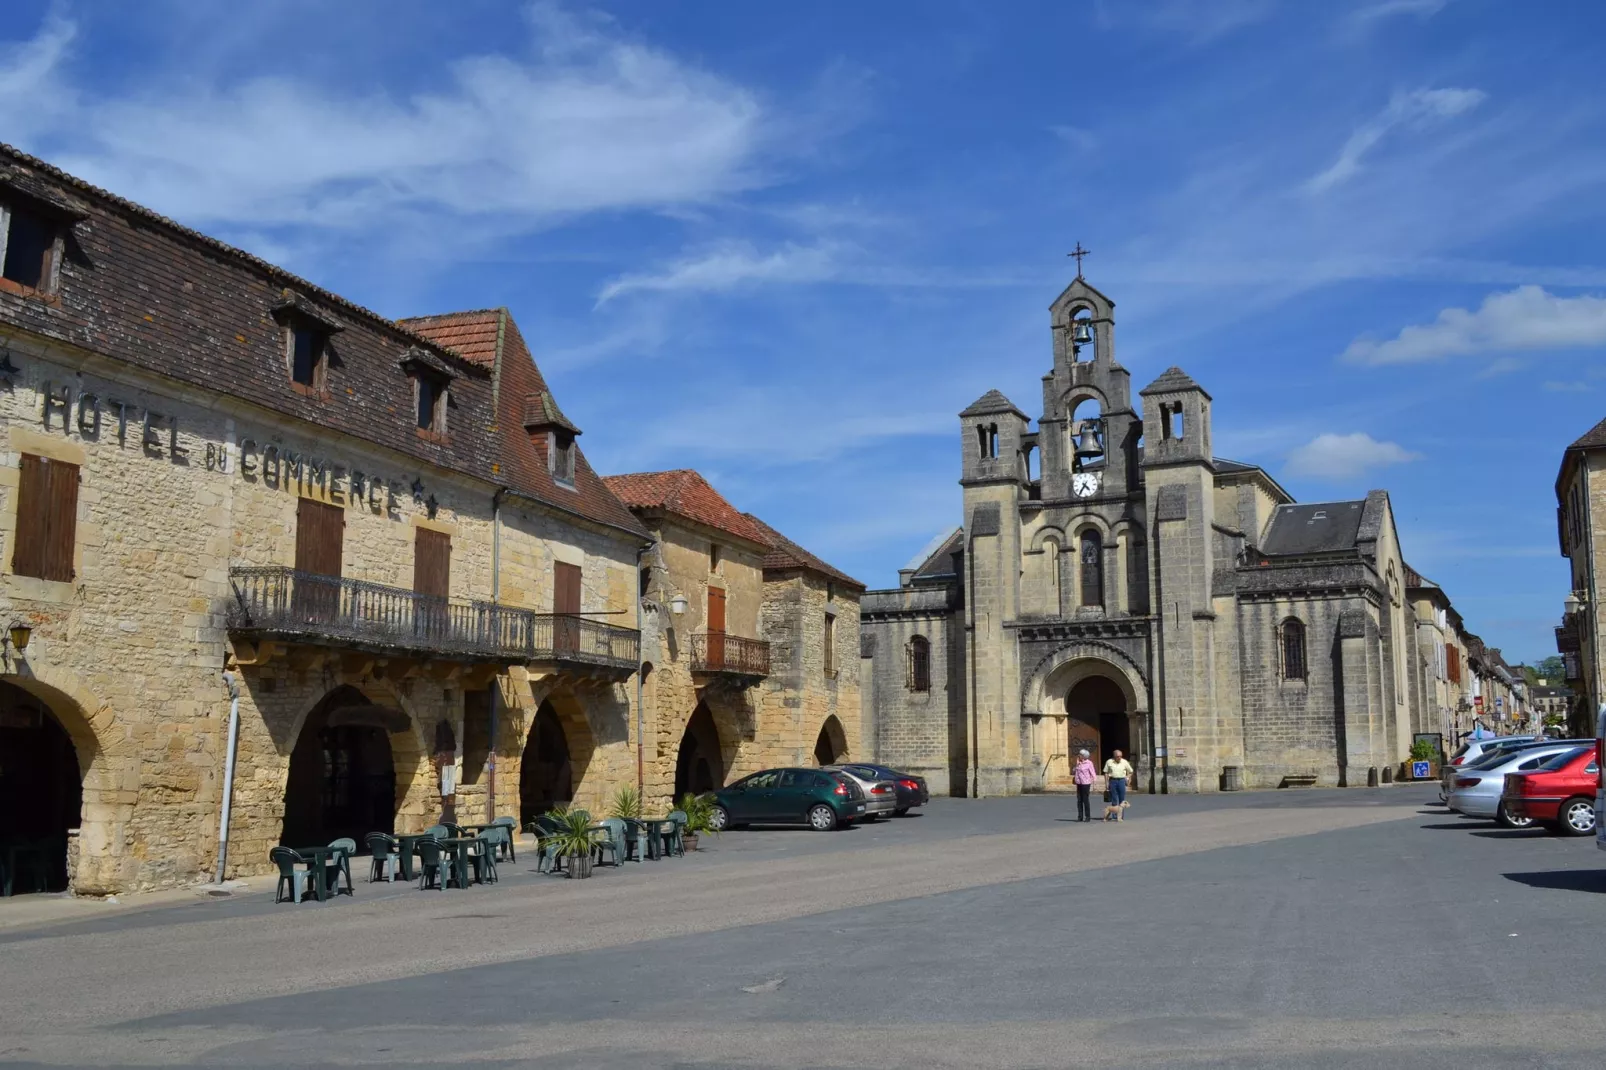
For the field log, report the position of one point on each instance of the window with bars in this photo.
(47, 519)
(1293, 643)
(919, 664)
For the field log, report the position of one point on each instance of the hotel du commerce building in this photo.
(277, 569)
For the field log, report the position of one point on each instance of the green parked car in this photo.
(815, 797)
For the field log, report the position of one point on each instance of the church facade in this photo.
(1113, 584)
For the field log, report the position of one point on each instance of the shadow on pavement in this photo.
(1469, 823)
(1513, 834)
(1563, 880)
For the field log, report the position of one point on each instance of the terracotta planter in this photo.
(690, 840)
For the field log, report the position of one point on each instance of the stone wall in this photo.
(800, 698)
(920, 732)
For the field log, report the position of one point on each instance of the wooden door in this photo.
(716, 628)
(566, 606)
(320, 537)
(432, 579)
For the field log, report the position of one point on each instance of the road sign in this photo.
(1420, 770)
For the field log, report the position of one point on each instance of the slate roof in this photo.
(992, 402)
(1315, 528)
(1594, 438)
(490, 338)
(1173, 380)
(939, 562)
(685, 493)
(1591, 439)
(785, 555)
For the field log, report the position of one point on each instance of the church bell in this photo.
(1087, 441)
(1081, 333)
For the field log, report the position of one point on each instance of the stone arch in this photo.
(1054, 673)
(831, 745)
(351, 745)
(1044, 534)
(100, 866)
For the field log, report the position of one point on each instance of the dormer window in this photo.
(308, 346)
(308, 353)
(560, 454)
(432, 393)
(27, 248)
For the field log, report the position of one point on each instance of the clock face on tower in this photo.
(1085, 484)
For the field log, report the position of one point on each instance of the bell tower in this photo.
(1088, 427)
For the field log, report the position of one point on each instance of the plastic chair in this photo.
(484, 856)
(510, 829)
(386, 850)
(440, 832)
(430, 871)
(287, 860)
(674, 842)
(612, 842)
(546, 850)
(341, 864)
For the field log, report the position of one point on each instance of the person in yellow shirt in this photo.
(1117, 771)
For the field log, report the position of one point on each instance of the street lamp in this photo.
(19, 634)
(1572, 603)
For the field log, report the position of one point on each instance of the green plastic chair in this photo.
(386, 851)
(431, 872)
(612, 842)
(484, 857)
(340, 864)
(440, 832)
(546, 851)
(296, 879)
(510, 830)
(674, 841)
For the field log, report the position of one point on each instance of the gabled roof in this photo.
(785, 555)
(685, 493)
(992, 402)
(1593, 438)
(1173, 381)
(1413, 578)
(1225, 467)
(1315, 528)
(936, 562)
(541, 411)
(489, 337)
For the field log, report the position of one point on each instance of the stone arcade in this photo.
(1115, 584)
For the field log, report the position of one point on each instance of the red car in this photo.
(1559, 794)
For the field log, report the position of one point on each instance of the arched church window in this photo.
(919, 664)
(1293, 636)
(987, 441)
(1092, 568)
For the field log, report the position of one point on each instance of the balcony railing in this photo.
(723, 653)
(280, 602)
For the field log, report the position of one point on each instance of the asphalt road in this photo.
(1311, 929)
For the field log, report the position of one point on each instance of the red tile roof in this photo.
(490, 337)
(687, 494)
(786, 554)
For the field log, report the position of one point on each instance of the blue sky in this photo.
(786, 244)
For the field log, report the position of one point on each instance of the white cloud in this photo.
(727, 266)
(1557, 386)
(1527, 318)
(1343, 457)
(1411, 110)
(1363, 18)
(578, 119)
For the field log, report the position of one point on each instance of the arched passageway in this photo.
(700, 765)
(832, 745)
(1098, 721)
(342, 779)
(546, 773)
(41, 792)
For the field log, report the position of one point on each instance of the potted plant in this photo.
(699, 811)
(626, 804)
(572, 837)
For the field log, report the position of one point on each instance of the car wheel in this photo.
(1577, 816)
(1503, 818)
(902, 811)
(822, 818)
(720, 819)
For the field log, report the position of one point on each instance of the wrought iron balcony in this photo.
(718, 652)
(276, 602)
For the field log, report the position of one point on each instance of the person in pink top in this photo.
(1082, 774)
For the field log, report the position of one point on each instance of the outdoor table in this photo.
(641, 834)
(406, 847)
(457, 847)
(317, 861)
(655, 833)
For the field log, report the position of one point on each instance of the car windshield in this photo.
(864, 771)
(1562, 760)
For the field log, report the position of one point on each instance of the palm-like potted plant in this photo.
(573, 840)
(626, 804)
(699, 811)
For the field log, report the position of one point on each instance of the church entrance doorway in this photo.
(546, 774)
(342, 780)
(41, 793)
(1097, 719)
(700, 765)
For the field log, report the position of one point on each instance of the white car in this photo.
(1478, 789)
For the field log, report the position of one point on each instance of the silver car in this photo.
(1478, 789)
(1474, 751)
(880, 796)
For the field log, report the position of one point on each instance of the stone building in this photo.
(1434, 670)
(1116, 585)
(1581, 529)
(741, 627)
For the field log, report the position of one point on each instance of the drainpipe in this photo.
(496, 685)
(232, 681)
(641, 713)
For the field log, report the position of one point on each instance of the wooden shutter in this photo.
(566, 603)
(47, 519)
(716, 628)
(432, 563)
(320, 533)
